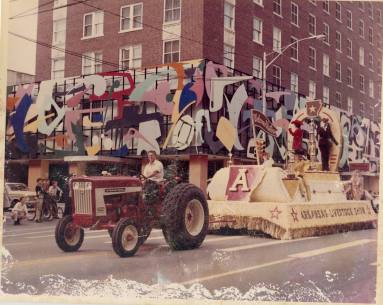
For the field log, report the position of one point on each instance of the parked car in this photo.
(14, 191)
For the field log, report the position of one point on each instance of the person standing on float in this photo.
(297, 134)
(325, 135)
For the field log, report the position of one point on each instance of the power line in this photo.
(66, 51)
(51, 9)
(32, 9)
(164, 31)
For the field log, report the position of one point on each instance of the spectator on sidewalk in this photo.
(54, 192)
(19, 211)
(40, 199)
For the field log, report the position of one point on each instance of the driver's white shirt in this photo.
(150, 168)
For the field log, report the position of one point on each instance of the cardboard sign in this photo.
(261, 121)
(313, 108)
(242, 181)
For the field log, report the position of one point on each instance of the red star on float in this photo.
(294, 214)
(275, 213)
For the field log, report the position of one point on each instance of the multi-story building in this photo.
(343, 69)
(212, 39)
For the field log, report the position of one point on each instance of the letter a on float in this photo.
(241, 179)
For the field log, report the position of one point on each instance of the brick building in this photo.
(343, 70)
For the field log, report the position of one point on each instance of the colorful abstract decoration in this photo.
(179, 108)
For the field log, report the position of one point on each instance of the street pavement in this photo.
(336, 268)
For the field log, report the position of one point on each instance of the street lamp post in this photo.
(266, 65)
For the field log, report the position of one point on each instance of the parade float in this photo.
(293, 201)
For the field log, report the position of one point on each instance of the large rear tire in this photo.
(185, 217)
(69, 236)
(126, 238)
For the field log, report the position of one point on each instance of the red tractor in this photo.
(129, 209)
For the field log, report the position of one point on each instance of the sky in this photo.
(22, 53)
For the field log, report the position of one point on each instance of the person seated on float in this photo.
(297, 134)
(354, 187)
(153, 174)
(266, 160)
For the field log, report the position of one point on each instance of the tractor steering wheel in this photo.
(142, 177)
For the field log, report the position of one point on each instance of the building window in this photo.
(259, 2)
(371, 88)
(93, 24)
(379, 65)
(378, 41)
(131, 17)
(338, 41)
(277, 7)
(349, 104)
(338, 12)
(294, 14)
(171, 51)
(326, 65)
(370, 36)
(172, 10)
(349, 77)
(58, 65)
(361, 83)
(277, 75)
(326, 32)
(370, 61)
(91, 63)
(312, 57)
(312, 24)
(312, 89)
(257, 30)
(361, 28)
(59, 27)
(257, 67)
(326, 6)
(361, 56)
(338, 73)
(349, 19)
(130, 57)
(338, 100)
(228, 56)
(294, 48)
(229, 16)
(294, 82)
(379, 16)
(277, 39)
(326, 95)
(369, 10)
(349, 48)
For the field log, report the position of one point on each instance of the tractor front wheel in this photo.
(185, 217)
(126, 238)
(69, 236)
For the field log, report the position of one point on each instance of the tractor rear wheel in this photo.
(185, 217)
(69, 236)
(126, 238)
